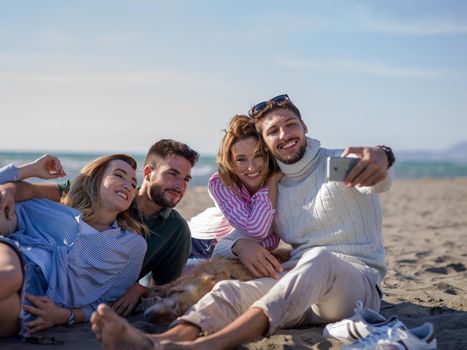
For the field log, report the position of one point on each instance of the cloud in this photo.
(374, 69)
(424, 27)
(350, 19)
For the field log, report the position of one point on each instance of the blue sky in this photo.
(119, 75)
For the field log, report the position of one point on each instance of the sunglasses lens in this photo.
(263, 105)
(260, 107)
(280, 98)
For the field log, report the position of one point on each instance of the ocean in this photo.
(73, 162)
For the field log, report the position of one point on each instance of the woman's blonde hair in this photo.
(241, 127)
(84, 193)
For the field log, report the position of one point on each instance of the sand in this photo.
(425, 235)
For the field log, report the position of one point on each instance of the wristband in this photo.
(389, 154)
(71, 319)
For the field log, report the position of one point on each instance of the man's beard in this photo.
(299, 156)
(156, 193)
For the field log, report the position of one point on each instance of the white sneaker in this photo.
(359, 326)
(398, 337)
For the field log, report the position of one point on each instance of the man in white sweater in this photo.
(333, 227)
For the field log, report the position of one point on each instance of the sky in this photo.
(118, 75)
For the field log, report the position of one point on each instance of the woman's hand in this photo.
(45, 167)
(48, 314)
(258, 260)
(281, 254)
(272, 183)
(128, 301)
(275, 177)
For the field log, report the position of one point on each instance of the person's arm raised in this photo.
(44, 167)
(372, 167)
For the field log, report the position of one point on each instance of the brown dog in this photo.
(169, 301)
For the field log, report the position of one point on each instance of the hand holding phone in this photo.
(339, 167)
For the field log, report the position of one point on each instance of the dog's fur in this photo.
(169, 301)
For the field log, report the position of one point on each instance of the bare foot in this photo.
(114, 332)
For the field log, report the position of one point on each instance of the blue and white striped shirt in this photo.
(83, 267)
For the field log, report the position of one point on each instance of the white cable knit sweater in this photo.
(312, 212)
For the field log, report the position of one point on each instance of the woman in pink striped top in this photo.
(244, 191)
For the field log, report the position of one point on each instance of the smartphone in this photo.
(339, 167)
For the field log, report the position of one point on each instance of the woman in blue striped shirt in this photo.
(58, 262)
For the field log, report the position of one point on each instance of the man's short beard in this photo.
(300, 155)
(156, 193)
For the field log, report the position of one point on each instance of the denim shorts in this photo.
(33, 282)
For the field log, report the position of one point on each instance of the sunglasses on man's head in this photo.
(259, 107)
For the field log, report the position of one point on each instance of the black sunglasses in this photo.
(259, 107)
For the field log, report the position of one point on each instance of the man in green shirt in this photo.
(167, 172)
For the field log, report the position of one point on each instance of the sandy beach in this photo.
(425, 235)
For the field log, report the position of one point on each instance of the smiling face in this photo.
(249, 163)
(167, 180)
(118, 186)
(284, 134)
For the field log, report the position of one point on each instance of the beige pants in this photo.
(321, 288)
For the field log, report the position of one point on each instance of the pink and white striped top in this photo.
(250, 214)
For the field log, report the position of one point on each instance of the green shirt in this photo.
(169, 242)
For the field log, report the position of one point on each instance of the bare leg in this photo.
(181, 332)
(114, 332)
(9, 317)
(251, 324)
(11, 276)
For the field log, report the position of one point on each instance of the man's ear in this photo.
(147, 172)
(305, 129)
